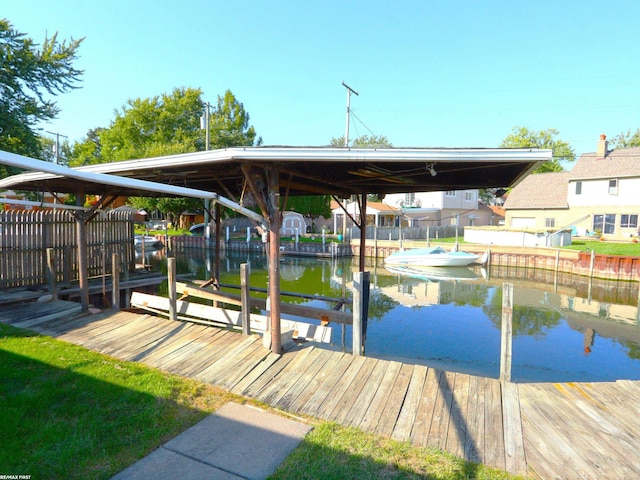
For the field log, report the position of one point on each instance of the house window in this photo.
(550, 222)
(605, 223)
(450, 193)
(578, 188)
(470, 196)
(629, 221)
(613, 186)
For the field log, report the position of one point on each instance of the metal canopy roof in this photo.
(309, 170)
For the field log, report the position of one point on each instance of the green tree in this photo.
(522, 137)
(28, 75)
(313, 206)
(87, 151)
(626, 140)
(229, 124)
(162, 125)
(364, 141)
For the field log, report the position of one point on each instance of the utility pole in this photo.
(349, 92)
(57, 145)
(204, 123)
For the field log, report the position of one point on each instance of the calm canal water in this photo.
(564, 328)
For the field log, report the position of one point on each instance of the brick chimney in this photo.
(603, 147)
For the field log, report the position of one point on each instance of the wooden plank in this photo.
(268, 375)
(349, 397)
(172, 351)
(216, 348)
(330, 365)
(424, 416)
(329, 384)
(245, 367)
(512, 421)
(458, 427)
(184, 358)
(229, 359)
(474, 441)
(330, 402)
(442, 412)
(395, 400)
(362, 412)
(187, 334)
(272, 392)
(409, 409)
(304, 380)
(494, 433)
(260, 369)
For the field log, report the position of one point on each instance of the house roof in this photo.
(308, 170)
(496, 209)
(542, 190)
(623, 162)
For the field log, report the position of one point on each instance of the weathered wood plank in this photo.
(474, 441)
(494, 435)
(458, 424)
(331, 401)
(237, 349)
(363, 412)
(303, 380)
(271, 362)
(271, 373)
(513, 440)
(395, 400)
(187, 334)
(350, 396)
(312, 388)
(442, 412)
(245, 367)
(329, 386)
(409, 411)
(424, 416)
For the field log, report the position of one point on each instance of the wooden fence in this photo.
(26, 235)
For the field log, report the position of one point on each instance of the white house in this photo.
(600, 194)
(439, 208)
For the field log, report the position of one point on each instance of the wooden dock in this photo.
(567, 431)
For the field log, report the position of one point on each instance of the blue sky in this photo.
(429, 74)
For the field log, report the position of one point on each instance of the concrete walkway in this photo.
(236, 442)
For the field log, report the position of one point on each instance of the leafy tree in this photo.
(626, 140)
(162, 125)
(229, 124)
(86, 152)
(28, 73)
(311, 205)
(522, 137)
(364, 141)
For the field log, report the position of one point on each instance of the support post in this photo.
(506, 332)
(363, 229)
(244, 295)
(51, 272)
(115, 281)
(274, 259)
(83, 267)
(360, 311)
(173, 297)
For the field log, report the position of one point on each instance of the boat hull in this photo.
(431, 257)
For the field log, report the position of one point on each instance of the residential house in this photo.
(452, 207)
(378, 213)
(598, 196)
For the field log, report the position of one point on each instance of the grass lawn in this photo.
(67, 413)
(605, 248)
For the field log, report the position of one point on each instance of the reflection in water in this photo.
(564, 329)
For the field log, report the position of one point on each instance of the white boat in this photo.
(146, 241)
(432, 274)
(431, 257)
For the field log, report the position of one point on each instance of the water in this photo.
(564, 329)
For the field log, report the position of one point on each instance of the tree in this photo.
(229, 124)
(162, 125)
(364, 141)
(86, 152)
(27, 75)
(522, 137)
(626, 140)
(310, 205)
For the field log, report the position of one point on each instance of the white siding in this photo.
(523, 222)
(596, 193)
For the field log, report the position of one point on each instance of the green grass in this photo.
(67, 413)
(605, 248)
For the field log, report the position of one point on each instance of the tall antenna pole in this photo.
(349, 92)
(57, 145)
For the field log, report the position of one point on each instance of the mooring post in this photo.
(115, 281)
(51, 270)
(507, 332)
(173, 297)
(244, 295)
(360, 310)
